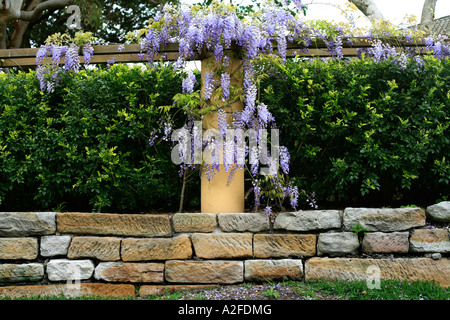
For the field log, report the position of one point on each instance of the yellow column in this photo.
(216, 196)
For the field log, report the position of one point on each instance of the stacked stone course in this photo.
(47, 253)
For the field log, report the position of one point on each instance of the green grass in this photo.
(388, 290)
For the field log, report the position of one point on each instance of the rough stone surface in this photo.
(101, 248)
(18, 248)
(70, 291)
(430, 240)
(440, 211)
(64, 269)
(284, 245)
(416, 269)
(283, 269)
(130, 225)
(381, 242)
(24, 224)
(156, 249)
(309, 220)
(152, 290)
(130, 272)
(385, 220)
(194, 222)
(243, 222)
(211, 271)
(337, 244)
(436, 256)
(55, 245)
(21, 272)
(222, 245)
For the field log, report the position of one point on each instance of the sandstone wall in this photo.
(47, 253)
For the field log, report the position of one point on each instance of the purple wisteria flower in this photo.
(110, 62)
(225, 83)
(208, 84)
(285, 159)
(72, 59)
(264, 115)
(189, 82)
(88, 52)
(222, 122)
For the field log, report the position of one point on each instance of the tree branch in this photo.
(47, 5)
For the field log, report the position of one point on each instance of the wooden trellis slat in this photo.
(130, 53)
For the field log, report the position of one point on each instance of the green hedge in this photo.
(365, 133)
(85, 147)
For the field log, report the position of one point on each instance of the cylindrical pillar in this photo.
(216, 196)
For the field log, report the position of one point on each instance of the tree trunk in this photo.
(428, 14)
(20, 27)
(3, 36)
(369, 8)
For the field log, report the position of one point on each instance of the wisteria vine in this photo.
(220, 31)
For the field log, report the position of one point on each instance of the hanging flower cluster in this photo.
(49, 57)
(220, 32)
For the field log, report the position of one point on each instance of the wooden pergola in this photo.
(216, 196)
(26, 57)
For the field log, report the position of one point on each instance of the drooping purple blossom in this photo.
(222, 122)
(225, 84)
(268, 211)
(285, 159)
(72, 59)
(264, 115)
(208, 84)
(257, 194)
(189, 82)
(88, 52)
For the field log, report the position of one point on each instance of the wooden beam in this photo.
(26, 57)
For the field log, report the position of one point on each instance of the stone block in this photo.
(70, 291)
(129, 225)
(309, 220)
(243, 222)
(408, 269)
(384, 220)
(273, 270)
(101, 248)
(18, 248)
(337, 244)
(207, 271)
(130, 272)
(24, 224)
(381, 242)
(284, 245)
(69, 270)
(55, 245)
(430, 240)
(222, 245)
(156, 249)
(439, 212)
(194, 222)
(26, 272)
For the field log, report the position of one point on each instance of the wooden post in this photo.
(216, 196)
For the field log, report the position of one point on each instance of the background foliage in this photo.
(359, 133)
(365, 133)
(85, 147)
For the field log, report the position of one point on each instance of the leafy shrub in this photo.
(85, 146)
(365, 133)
